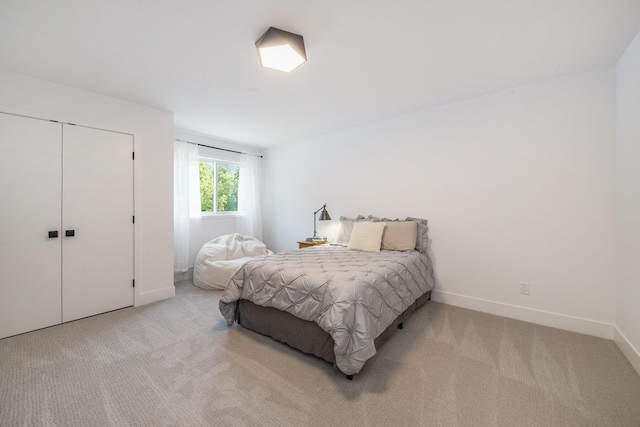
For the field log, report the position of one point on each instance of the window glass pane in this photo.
(227, 187)
(206, 187)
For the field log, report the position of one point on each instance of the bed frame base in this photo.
(305, 335)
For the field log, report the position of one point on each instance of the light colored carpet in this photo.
(176, 363)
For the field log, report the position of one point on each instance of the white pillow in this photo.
(346, 226)
(366, 236)
(400, 236)
(344, 233)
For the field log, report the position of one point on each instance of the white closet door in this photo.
(97, 195)
(30, 183)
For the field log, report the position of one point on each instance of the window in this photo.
(218, 186)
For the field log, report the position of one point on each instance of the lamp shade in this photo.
(324, 215)
(281, 50)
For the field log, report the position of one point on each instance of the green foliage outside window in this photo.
(227, 177)
(206, 187)
(228, 188)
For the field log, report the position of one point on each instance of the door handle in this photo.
(53, 234)
(70, 233)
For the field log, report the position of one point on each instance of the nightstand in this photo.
(305, 244)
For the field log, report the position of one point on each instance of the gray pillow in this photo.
(422, 242)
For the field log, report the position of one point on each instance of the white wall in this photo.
(628, 203)
(517, 185)
(153, 168)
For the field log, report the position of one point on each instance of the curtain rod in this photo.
(217, 148)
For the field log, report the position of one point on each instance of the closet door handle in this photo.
(70, 233)
(53, 234)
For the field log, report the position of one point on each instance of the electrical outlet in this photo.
(525, 288)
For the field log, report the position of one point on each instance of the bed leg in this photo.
(350, 377)
(400, 325)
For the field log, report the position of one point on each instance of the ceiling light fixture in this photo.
(281, 50)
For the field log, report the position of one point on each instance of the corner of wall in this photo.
(630, 352)
(181, 277)
(627, 315)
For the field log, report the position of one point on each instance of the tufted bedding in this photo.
(352, 295)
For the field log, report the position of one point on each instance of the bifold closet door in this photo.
(30, 208)
(97, 214)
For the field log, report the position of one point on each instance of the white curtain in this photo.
(186, 204)
(249, 196)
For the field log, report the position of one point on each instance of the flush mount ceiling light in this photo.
(281, 50)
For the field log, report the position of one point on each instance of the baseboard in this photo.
(545, 318)
(155, 295)
(631, 353)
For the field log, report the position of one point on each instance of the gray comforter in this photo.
(352, 295)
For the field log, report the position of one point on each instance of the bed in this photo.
(334, 301)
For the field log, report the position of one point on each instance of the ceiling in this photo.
(368, 60)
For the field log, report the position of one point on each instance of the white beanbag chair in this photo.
(222, 256)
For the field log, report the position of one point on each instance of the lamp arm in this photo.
(314, 225)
